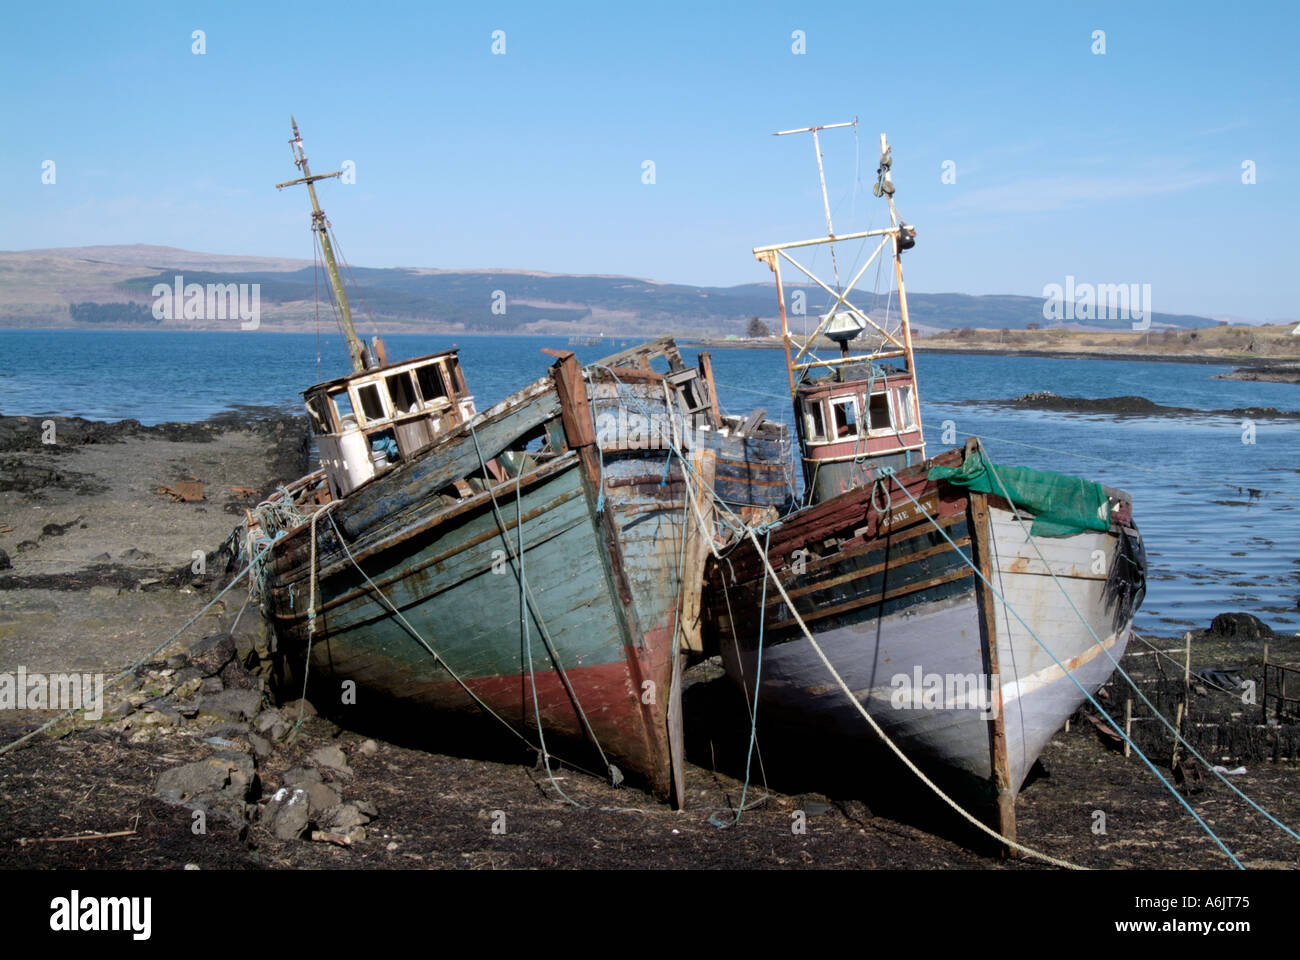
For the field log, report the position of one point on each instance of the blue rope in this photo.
(1131, 682)
(889, 472)
(758, 679)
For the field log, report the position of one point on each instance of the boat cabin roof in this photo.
(854, 374)
(387, 368)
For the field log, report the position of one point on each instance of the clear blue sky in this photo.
(1115, 168)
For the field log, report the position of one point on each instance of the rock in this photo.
(27, 545)
(333, 758)
(119, 709)
(5, 563)
(229, 775)
(186, 673)
(369, 748)
(1240, 626)
(187, 690)
(132, 555)
(300, 776)
(235, 674)
(100, 558)
(366, 807)
(212, 653)
(266, 720)
(280, 730)
(161, 714)
(261, 746)
(290, 710)
(211, 685)
(232, 705)
(346, 816)
(227, 730)
(322, 796)
(177, 662)
(356, 834)
(289, 819)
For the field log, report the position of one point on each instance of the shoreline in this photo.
(1245, 362)
(207, 702)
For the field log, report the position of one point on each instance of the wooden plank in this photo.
(1004, 818)
(752, 421)
(900, 560)
(706, 369)
(575, 411)
(821, 613)
(696, 555)
(384, 501)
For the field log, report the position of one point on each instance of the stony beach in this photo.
(99, 570)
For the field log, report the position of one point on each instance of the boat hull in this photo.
(417, 593)
(905, 621)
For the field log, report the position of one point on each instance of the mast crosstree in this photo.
(356, 350)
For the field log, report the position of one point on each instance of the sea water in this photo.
(1213, 544)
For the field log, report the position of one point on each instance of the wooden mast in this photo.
(900, 234)
(356, 352)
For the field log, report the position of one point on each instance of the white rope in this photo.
(885, 737)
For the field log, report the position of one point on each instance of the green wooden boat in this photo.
(535, 566)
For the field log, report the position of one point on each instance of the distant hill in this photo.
(92, 286)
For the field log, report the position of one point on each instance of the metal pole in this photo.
(355, 349)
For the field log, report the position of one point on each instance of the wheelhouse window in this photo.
(844, 417)
(431, 385)
(878, 417)
(401, 393)
(904, 409)
(319, 412)
(343, 407)
(814, 420)
(371, 403)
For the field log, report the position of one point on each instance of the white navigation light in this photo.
(846, 325)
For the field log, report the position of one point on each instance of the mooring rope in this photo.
(528, 637)
(145, 659)
(420, 638)
(1178, 737)
(1164, 653)
(887, 471)
(758, 679)
(610, 770)
(735, 645)
(311, 611)
(835, 674)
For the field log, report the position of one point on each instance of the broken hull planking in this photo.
(605, 568)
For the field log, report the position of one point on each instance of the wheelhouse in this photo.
(370, 421)
(861, 418)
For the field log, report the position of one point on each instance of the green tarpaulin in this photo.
(1062, 505)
